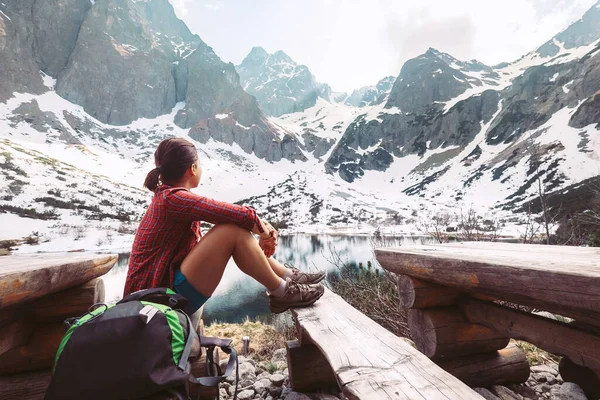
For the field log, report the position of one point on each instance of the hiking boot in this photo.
(305, 277)
(296, 295)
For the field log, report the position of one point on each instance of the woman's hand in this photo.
(268, 239)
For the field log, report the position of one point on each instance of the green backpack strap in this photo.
(161, 295)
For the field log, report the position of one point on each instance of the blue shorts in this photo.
(183, 287)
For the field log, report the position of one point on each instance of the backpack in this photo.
(139, 348)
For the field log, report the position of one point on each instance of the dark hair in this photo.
(172, 158)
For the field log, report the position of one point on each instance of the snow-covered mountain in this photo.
(79, 124)
(371, 95)
(280, 85)
(464, 131)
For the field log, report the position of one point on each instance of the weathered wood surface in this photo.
(25, 386)
(501, 367)
(443, 332)
(308, 368)
(67, 303)
(37, 354)
(561, 279)
(26, 278)
(586, 378)
(15, 334)
(581, 346)
(371, 362)
(416, 293)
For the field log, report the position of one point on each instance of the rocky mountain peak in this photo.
(279, 84)
(582, 32)
(371, 95)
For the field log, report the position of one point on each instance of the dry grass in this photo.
(264, 338)
(535, 355)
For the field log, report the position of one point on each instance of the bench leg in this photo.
(308, 368)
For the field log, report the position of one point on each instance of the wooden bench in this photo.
(37, 293)
(340, 346)
(450, 289)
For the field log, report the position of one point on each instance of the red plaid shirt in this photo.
(170, 229)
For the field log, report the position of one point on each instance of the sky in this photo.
(353, 43)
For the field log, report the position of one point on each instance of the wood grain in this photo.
(501, 367)
(25, 386)
(416, 293)
(581, 346)
(37, 354)
(560, 279)
(371, 362)
(26, 278)
(309, 369)
(443, 332)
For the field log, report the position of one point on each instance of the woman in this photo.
(168, 250)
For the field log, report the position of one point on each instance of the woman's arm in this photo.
(181, 204)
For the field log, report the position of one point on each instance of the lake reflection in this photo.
(238, 296)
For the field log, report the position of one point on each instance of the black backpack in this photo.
(138, 348)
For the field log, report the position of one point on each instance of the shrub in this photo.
(373, 292)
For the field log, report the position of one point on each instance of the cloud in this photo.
(417, 31)
(181, 7)
(213, 5)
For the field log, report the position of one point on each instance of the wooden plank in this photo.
(371, 362)
(38, 354)
(444, 332)
(559, 338)
(309, 369)
(416, 293)
(25, 386)
(501, 367)
(71, 302)
(15, 334)
(560, 279)
(26, 278)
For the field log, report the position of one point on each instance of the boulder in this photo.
(568, 391)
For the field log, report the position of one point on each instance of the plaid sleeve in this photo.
(184, 205)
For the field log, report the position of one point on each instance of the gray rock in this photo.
(245, 394)
(246, 383)
(278, 379)
(243, 359)
(486, 394)
(540, 377)
(56, 26)
(539, 369)
(285, 372)
(262, 386)
(296, 396)
(263, 375)
(247, 371)
(551, 379)
(568, 391)
(269, 397)
(275, 391)
(525, 391)
(505, 393)
(279, 355)
(223, 393)
(19, 72)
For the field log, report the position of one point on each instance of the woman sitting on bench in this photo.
(170, 251)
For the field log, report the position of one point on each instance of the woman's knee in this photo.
(228, 229)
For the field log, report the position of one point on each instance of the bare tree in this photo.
(469, 225)
(549, 220)
(532, 227)
(437, 226)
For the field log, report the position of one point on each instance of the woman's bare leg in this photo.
(203, 267)
(277, 267)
